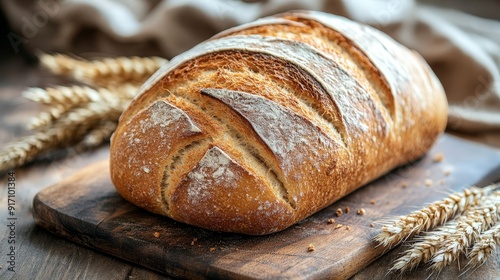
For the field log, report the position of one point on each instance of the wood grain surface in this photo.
(86, 209)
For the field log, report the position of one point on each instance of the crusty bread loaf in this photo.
(267, 123)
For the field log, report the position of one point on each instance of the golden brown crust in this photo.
(265, 124)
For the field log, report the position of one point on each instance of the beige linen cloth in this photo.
(463, 50)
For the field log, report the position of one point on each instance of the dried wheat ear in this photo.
(79, 117)
(461, 225)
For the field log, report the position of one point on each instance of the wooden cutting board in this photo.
(86, 209)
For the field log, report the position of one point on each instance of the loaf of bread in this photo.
(265, 124)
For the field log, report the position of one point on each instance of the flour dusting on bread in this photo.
(212, 170)
(264, 125)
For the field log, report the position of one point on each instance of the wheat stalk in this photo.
(485, 245)
(29, 147)
(118, 70)
(423, 249)
(62, 99)
(62, 133)
(60, 95)
(60, 64)
(468, 229)
(446, 242)
(427, 246)
(97, 136)
(79, 115)
(76, 95)
(103, 72)
(44, 119)
(433, 215)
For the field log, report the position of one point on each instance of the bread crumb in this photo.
(347, 209)
(361, 211)
(310, 248)
(331, 221)
(372, 225)
(347, 228)
(373, 202)
(338, 226)
(442, 182)
(338, 212)
(417, 183)
(194, 241)
(447, 172)
(156, 234)
(428, 182)
(438, 157)
(212, 249)
(404, 185)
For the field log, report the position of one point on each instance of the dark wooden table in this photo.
(42, 255)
